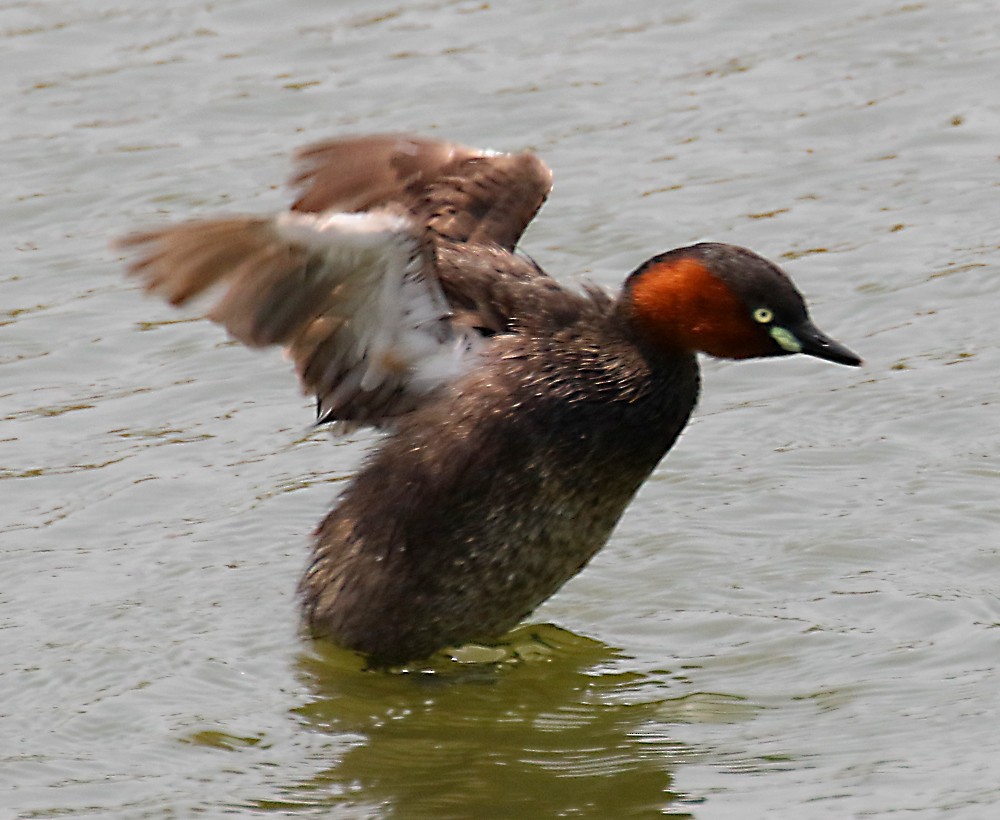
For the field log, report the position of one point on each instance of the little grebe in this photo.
(522, 416)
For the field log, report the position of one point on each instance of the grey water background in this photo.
(798, 617)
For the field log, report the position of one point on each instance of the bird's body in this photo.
(485, 501)
(522, 416)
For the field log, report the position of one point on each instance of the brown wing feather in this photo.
(487, 199)
(464, 211)
(321, 301)
(462, 194)
(181, 261)
(360, 173)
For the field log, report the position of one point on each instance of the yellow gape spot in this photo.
(786, 339)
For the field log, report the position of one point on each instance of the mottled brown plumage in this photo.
(522, 415)
(463, 195)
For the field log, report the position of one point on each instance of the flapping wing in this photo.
(352, 297)
(393, 265)
(462, 194)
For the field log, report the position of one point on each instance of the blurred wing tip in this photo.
(128, 242)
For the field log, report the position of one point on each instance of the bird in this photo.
(519, 415)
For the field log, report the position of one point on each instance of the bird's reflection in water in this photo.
(543, 725)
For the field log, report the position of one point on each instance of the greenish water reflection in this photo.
(550, 729)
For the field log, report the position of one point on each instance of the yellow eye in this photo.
(763, 315)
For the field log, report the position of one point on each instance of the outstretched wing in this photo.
(351, 297)
(462, 194)
(393, 265)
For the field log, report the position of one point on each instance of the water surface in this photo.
(798, 615)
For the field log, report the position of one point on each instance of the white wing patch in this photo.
(390, 318)
(353, 298)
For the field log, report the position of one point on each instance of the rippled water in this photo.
(798, 616)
